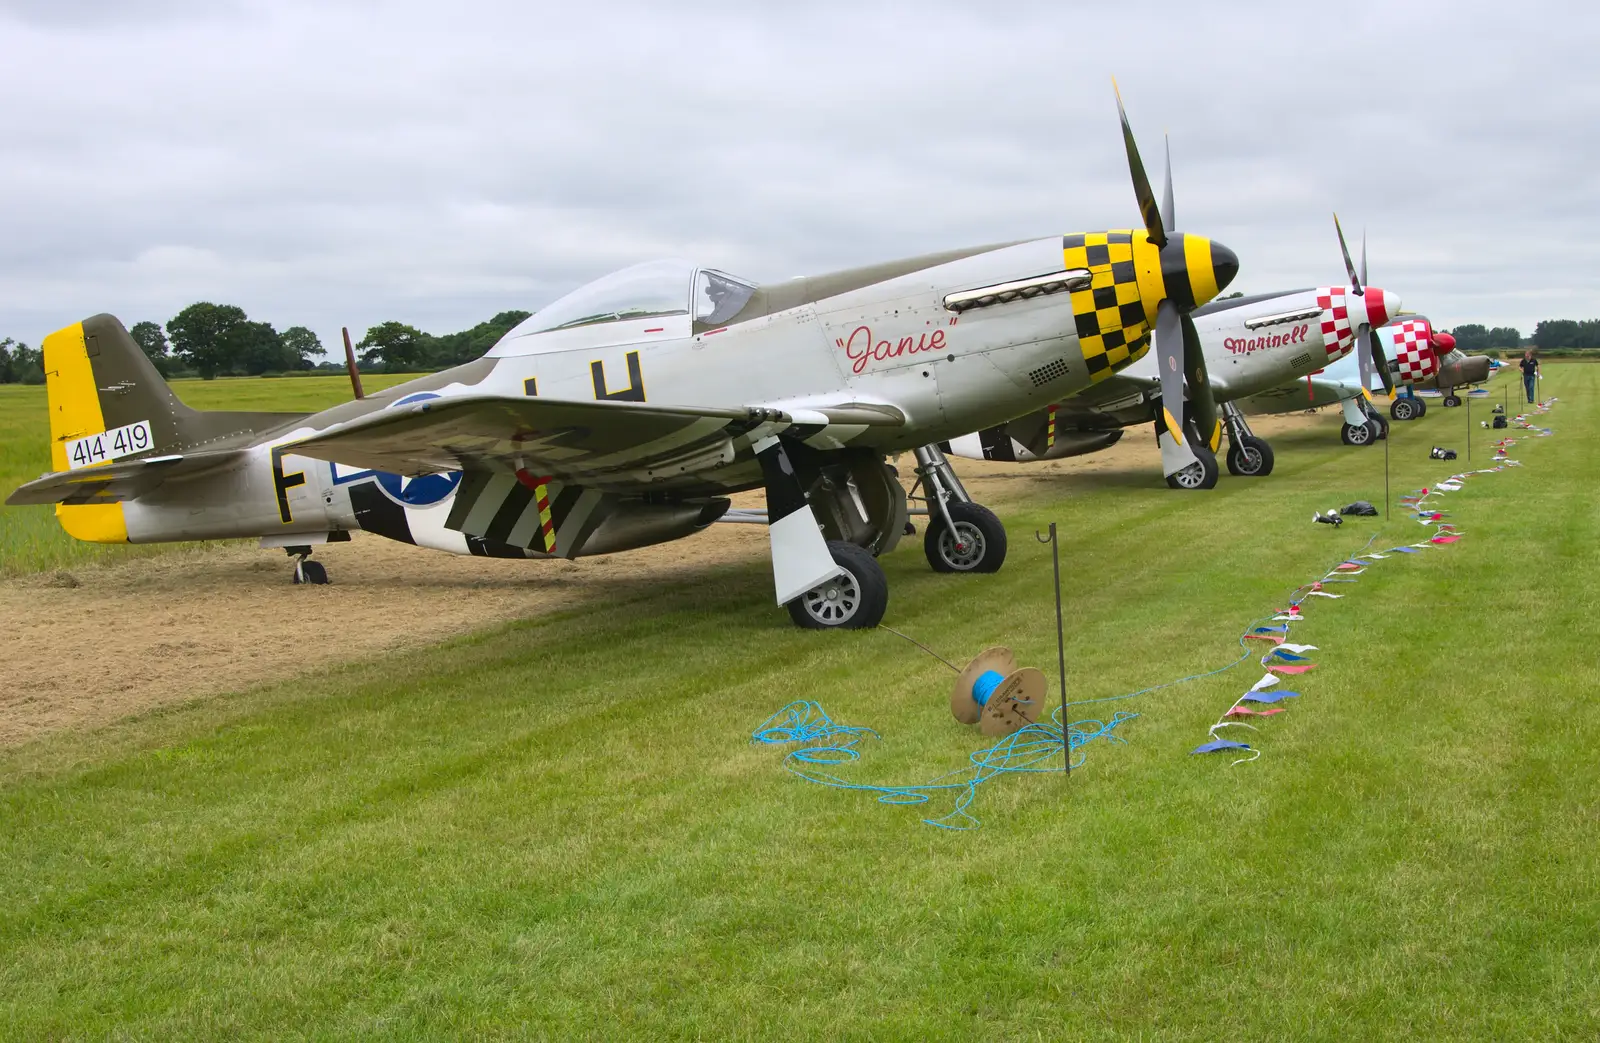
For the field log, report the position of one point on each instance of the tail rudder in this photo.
(100, 383)
(108, 402)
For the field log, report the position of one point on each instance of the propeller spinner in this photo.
(1177, 273)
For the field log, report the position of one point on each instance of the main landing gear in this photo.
(854, 599)
(1375, 417)
(1359, 434)
(1203, 473)
(306, 570)
(856, 501)
(962, 536)
(1407, 407)
(1248, 456)
(1451, 399)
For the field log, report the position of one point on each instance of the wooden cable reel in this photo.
(997, 696)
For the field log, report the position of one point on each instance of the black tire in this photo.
(1422, 408)
(853, 601)
(1451, 401)
(1383, 426)
(1250, 458)
(980, 530)
(1202, 475)
(1403, 409)
(311, 572)
(1359, 434)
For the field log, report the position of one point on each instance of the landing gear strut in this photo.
(1375, 417)
(306, 570)
(1248, 456)
(962, 536)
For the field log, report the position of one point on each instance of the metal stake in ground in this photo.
(1386, 473)
(1468, 398)
(1061, 644)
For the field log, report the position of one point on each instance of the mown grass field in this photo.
(559, 829)
(30, 539)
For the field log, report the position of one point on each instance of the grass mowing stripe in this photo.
(558, 828)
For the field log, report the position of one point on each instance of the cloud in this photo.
(344, 163)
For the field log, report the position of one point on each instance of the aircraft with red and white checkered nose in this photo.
(625, 413)
(1416, 357)
(1251, 345)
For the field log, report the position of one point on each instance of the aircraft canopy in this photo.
(655, 289)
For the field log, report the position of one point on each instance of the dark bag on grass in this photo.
(1360, 507)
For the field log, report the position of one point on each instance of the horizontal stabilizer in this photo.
(114, 482)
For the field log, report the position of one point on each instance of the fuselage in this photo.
(885, 339)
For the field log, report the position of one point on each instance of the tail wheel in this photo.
(310, 572)
(1359, 434)
(1404, 409)
(1250, 457)
(854, 600)
(978, 543)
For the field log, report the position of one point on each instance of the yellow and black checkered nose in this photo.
(1129, 276)
(1113, 325)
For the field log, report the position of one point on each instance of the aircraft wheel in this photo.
(1383, 426)
(1359, 434)
(854, 600)
(1199, 475)
(1404, 409)
(1451, 401)
(310, 572)
(1250, 458)
(1422, 408)
(977, 545)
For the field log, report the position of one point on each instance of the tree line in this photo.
(215, 340)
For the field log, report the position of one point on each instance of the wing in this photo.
(112, 482)
(599, 444)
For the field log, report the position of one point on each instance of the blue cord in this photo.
(1022, 751)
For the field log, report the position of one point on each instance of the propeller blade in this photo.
(1201, 400)
(1381, 364)
(1141, 182)
(1168, 349)
(1355, 283)
(1169, 217)
(1364, 359)
(1364, 257)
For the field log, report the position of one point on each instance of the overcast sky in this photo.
(328, 163)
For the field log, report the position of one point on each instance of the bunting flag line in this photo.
(1285, 658)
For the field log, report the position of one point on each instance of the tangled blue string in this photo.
(1035, 749)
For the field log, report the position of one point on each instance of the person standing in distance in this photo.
(1530, 373)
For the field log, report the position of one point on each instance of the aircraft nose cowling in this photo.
(1474, 369)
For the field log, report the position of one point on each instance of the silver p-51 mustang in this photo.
(626, 412)
(1249, 345)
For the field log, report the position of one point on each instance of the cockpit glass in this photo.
(650, 290)
(718, 297)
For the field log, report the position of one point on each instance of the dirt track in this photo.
(107, 642)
